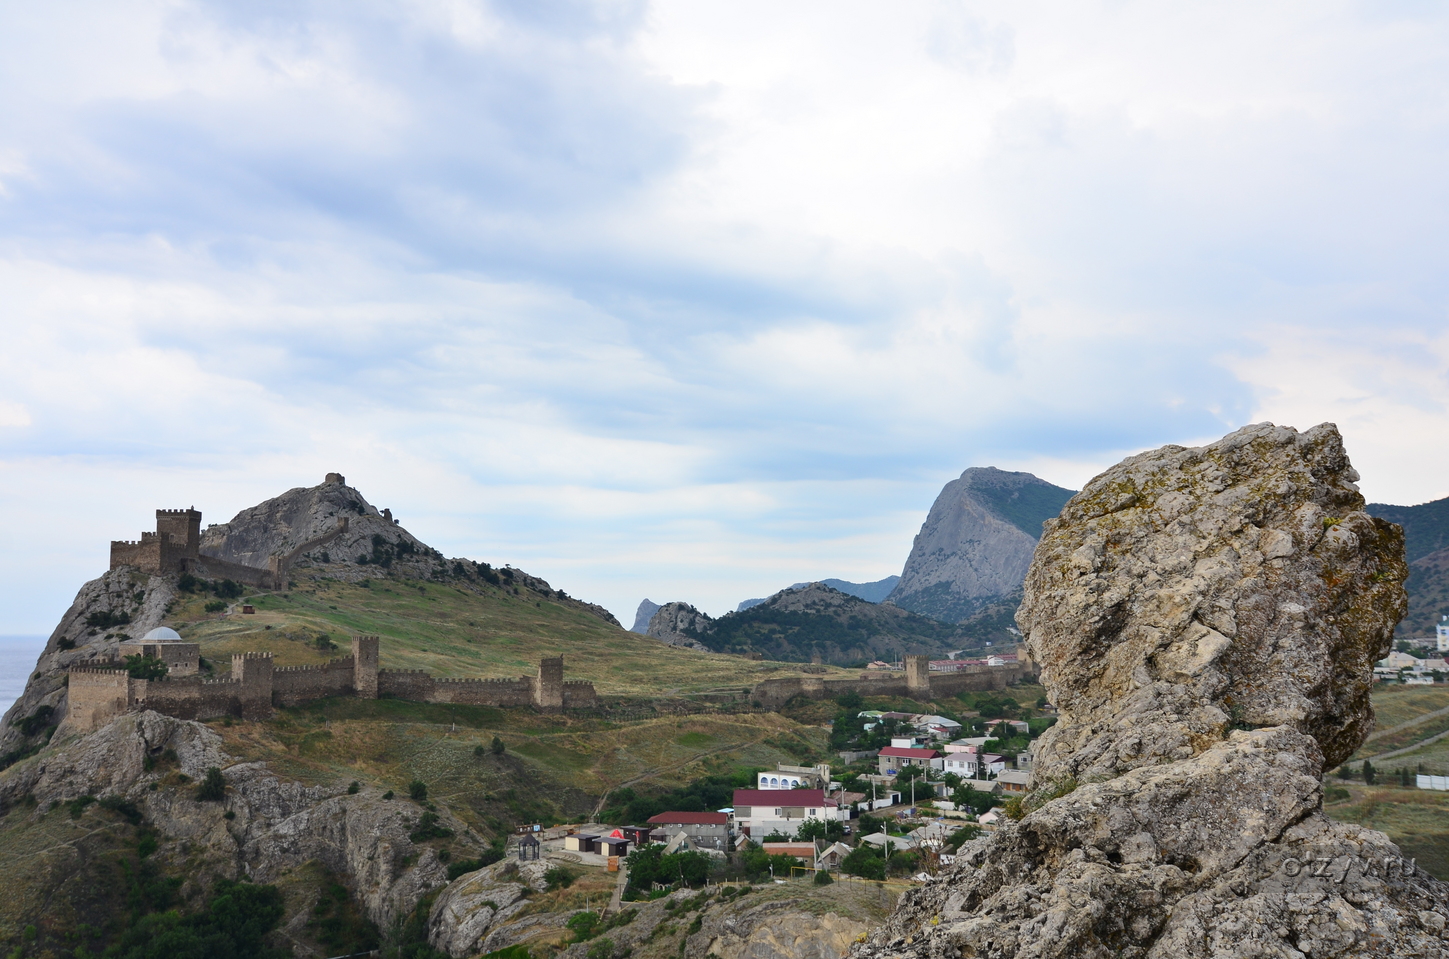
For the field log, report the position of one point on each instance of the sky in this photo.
(692, 301)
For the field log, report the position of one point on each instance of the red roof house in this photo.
(690, 819)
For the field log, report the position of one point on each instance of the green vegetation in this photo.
(650, 864)
(145, 667)
(213, 787)
(339, 924)
(702, 795)
(231, 925)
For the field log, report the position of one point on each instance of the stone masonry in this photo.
(256, 685)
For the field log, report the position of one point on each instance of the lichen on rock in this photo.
(1206, 620)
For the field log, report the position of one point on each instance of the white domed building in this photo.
(164, 643)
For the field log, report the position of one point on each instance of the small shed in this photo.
(613, 845)
(638, 835)
(582, 842)
(248, 609)
(528, 847)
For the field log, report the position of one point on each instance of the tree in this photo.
(864, 861)
(497, 746)
(213, 787)
(1368, 773)
(418, 790)
(145, 667)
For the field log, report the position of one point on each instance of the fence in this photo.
(1433, 782)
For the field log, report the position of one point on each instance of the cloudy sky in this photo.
(695, 300)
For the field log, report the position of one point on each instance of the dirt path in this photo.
(1408, 725)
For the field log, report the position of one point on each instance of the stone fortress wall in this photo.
(256, 685)
(918, 683)
(175, 547)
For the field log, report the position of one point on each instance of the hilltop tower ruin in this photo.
(177, 539)
(918, 677)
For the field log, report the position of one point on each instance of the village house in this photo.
(804, 850)
(706, 829)
(832, 856)
(759, 812)
(795, 777)
(1013, 781)
(895, 758)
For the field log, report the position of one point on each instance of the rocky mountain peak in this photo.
(1206, 620)
(976, 543)
(678, 624)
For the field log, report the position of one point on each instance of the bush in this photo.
(864, 861)
(215, 606)
(213, 787)
(428, 828)
(582, 925)
(233, 923)
(145, 667)
(105, 619)
(603, 949)
(418, 790)
(1335, 794)
(36, 721)
(822, 878)
(497, 746)
(227, 589)
(1368, 773)
(354, 788)
(187, 583)
(558, 878)
(387, 795)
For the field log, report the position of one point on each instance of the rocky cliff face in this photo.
(976, 543)
(129, 603)
(276, 825)
(643, 615)
(673, 623)
(1206, 621)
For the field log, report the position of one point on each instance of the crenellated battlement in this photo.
(99, 692)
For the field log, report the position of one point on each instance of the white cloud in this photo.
(695, 301)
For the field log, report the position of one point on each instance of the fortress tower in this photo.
(918, 677)
(176, 541)
(364, 666)
(548, 692)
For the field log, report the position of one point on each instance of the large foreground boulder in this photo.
(1206, 620)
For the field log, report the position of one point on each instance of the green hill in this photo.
(1426, 547)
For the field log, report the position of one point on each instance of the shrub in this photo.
(428, 828)
(582, 925)
(213, 787)
(187, 583)
(822, 878)
(387, 795)
(1368, 773)
(36, 721)
(497, 746)
(105, 619)
(65, 643)
(1335, 794)
(603, 949)
(353, 789)
(122, 807)
(864, 861)
(418, 790)
(227, 589)
(558, 878)
(145, 667)
(215, 606)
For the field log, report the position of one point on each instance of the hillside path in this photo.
(1407, 749)
(1413, 722)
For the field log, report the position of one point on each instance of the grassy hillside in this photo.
(458, 630)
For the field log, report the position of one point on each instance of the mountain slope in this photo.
(1426, 547)
(452, 617)
(816, 620)
(875, 592)
(976, 543)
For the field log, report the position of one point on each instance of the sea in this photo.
(17, 660)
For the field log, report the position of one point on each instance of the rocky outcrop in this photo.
(276, 825)
(474, 905)
(642, 616)
(976, 543)
(129, 603)
(678, 624)
(1206, 621)
(875, 592)
(777, 930)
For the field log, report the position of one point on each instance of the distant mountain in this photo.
(796, 625)
(975, 546)
(646, 612)
(1426, 547)
(870, 592)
